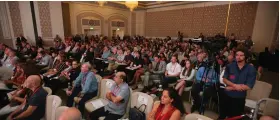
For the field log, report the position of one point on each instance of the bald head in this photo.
(71, 114)
(33, 82)
(267, 118)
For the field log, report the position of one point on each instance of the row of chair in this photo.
(104, 86)
(54, 110)
(136, 99)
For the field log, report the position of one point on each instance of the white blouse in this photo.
(185, 77)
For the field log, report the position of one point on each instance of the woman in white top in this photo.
(186, 77)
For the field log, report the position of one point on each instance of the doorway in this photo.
(118, 32)
(91, 32)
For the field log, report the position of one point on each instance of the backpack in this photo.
(136, 114)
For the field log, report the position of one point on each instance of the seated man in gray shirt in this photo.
(45, 60)
(156, 72)
(118, 99)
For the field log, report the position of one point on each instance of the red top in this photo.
(166, 116)
(20, 78)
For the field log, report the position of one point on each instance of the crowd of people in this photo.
(74, 63)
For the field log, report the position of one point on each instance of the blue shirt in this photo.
(212, 76)
(87, 81)
(105, 55)
(124, 92)
(246, 76)
(151, 59)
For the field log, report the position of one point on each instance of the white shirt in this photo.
(185, 77)
(67, 69)
(173, 69)
(228, 43)
(120, 57)
(67, 49)
(74, 50)
(226, 53)
(221, 77)
(83, 56)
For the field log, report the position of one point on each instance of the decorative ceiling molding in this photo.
(175, 3)
(96, 5)
(142, 5)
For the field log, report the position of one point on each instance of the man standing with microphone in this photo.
(238, 77)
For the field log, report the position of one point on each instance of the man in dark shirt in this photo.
(77, 38)
(136, 64)
(35, 104)
(202, 37)
(128, 58)
(248, 42)
(238, 77)
(65, 78)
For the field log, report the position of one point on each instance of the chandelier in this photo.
(101, 3)
(131, 4)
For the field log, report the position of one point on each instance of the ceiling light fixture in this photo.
(131, 4)
(101, 3)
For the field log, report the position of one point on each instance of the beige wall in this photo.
(209, 18)
(5, 26)
(192, 4)
(140, 22)
(265, 25)
(258, 20)
(16, 19)
(49, 20)
(105, 13)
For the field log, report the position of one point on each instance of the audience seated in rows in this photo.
(65, 78)
(185, 68)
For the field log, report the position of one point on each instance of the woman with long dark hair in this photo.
(186, 77)
(169, 108)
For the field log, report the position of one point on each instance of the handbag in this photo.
(136, 114)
